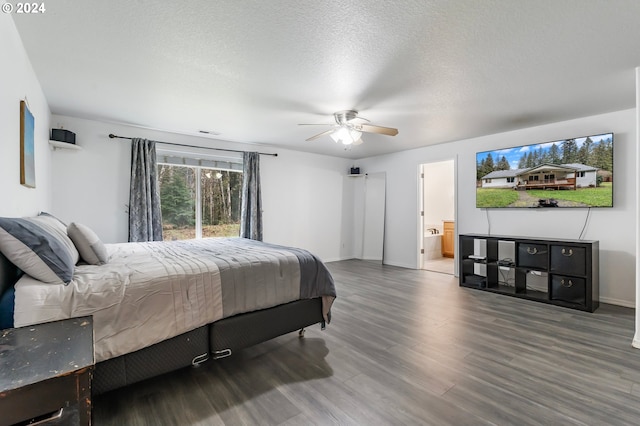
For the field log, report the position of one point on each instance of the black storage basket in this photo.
(568, 289)
(533, 255)
(568, 259)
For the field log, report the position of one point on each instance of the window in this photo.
(199, 198)
(581, 174)
(177, 201)
(533, 178)
(487, 181)
(511, 179)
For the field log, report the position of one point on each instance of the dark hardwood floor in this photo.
(409, 347)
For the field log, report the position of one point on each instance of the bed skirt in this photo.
(222, 338)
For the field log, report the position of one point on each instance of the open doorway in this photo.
(437, 230)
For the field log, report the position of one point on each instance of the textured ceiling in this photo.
(438, 70)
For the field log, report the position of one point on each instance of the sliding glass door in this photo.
(199, 202)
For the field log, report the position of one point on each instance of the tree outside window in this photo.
(199, 202)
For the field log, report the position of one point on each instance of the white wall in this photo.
(302, 193)
(303, 202)
(438, 201)
(615, 227)
(17, 82)
(373, 229)
(353, 202)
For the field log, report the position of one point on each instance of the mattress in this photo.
(153, 291)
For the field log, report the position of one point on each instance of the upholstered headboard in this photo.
(9, 273)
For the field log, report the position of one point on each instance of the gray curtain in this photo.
(145, 217)
(251, 214)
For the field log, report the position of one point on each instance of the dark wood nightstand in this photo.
(45, 373)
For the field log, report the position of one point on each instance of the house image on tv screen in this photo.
(575, 172)
(545, 176)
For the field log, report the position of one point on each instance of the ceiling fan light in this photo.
(345, 135)
(340, 134)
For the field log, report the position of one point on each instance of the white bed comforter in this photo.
(149, 292)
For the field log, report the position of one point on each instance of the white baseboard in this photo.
(400, 265)
(619, 302)
(336, 259)
(609, 300)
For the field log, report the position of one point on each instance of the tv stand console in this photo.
(559, 272)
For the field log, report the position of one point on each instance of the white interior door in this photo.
(374, 213)
(437, 201)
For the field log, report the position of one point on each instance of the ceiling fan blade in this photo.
(320, 135)
(370, 128)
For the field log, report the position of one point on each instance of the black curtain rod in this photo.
(112, 136)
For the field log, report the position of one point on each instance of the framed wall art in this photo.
(27, 152)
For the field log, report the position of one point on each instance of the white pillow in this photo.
(40, 247)
(91, 249)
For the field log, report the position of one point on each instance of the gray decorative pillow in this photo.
(40, 247)
(91, 249)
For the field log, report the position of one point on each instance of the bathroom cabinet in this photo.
(561, 272)
(448, 238)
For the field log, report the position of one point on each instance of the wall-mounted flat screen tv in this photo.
(576, 172)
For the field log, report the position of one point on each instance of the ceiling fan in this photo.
(348, 132)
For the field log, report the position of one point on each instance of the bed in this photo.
(159, 306)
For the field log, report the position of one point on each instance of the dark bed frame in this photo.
(216, 340)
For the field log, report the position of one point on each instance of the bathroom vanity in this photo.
(448, 238)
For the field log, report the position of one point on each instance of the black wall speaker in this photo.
(62, 135)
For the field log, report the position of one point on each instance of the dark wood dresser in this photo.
(45, 373)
